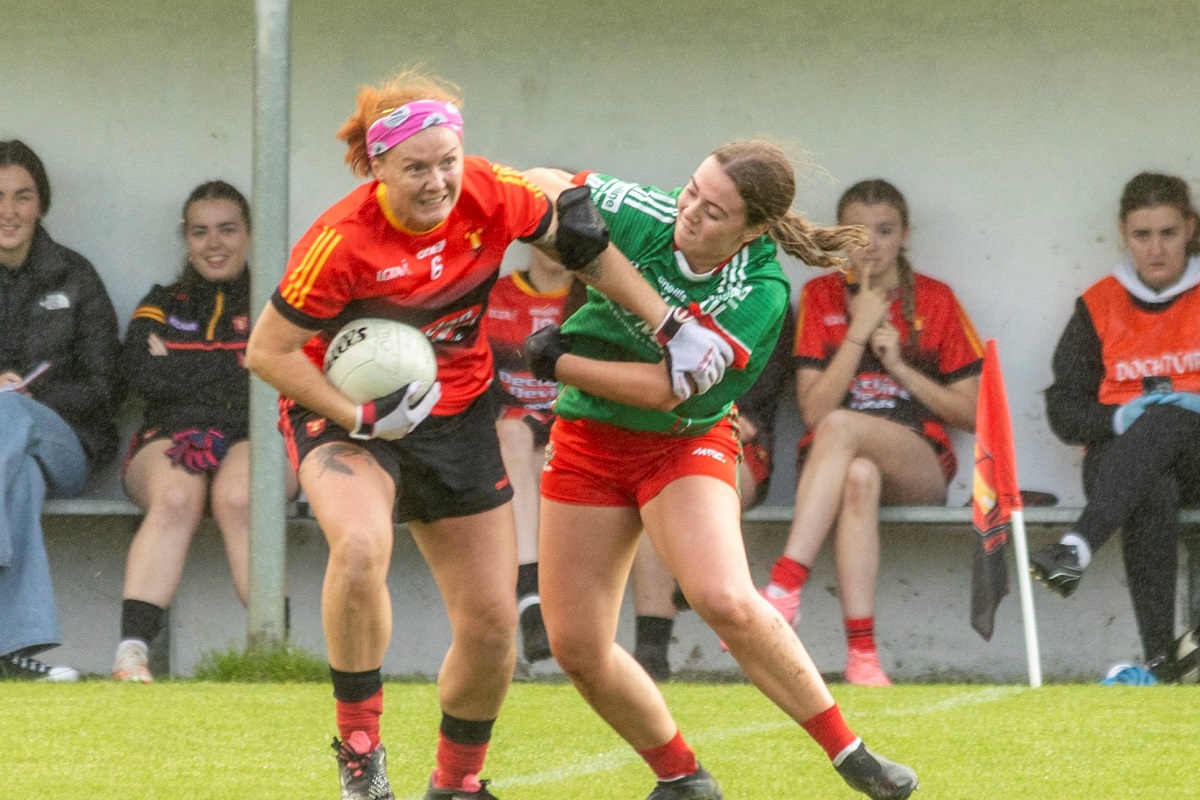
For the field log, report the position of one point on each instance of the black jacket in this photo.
(55, 309)
(202, 382)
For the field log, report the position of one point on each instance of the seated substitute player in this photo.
(422, 243)
(518, 305)
(634, 449)
(656, 596)
(885, 358)
(184, 355)
(1121, 391)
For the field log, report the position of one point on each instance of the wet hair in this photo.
(211, 190)
(374, 103)
(766, 180)
(878, 191)
(1155, 189)
(14, 152)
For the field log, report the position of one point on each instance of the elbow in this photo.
(255, 359)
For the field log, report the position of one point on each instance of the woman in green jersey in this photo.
(632, 448)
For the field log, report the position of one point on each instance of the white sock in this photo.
(1082, 549)
(850, 748)
(138, 643)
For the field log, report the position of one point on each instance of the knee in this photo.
(836, 428)
(359, 556)
(577, 652)
(863, 484)
(725, 608)
(232, 501)
(490, 627)
(178, 504)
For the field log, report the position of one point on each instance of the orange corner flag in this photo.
(995, 495)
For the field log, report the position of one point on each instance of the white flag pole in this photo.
(1025, 589)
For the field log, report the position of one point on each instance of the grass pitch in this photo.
(180, 740)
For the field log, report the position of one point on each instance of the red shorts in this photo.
(594, 464)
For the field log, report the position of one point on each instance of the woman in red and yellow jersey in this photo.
(1127, 387)
(421, 243)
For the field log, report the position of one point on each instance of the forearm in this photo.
(826, 392)
(293, 375)
(616, 278)
(632, 383)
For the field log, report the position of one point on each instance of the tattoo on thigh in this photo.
(335, 458)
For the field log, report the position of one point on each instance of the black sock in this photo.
(654, 631)
(354, 687)
(141, 620)
(466, 731)
(527, 579)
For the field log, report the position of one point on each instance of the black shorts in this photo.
(233, 435)
(447, 467)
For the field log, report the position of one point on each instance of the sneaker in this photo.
(534, 640)
(862, 668)
(654, 660)
(1129, 675)
(132, 663)
(24, 668)
(1057, 566)
(363, 771)
(876, 777)
(787, 603)
(473, 789)
(700, 785)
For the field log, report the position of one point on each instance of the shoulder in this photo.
(823, 287)
(931, 288)
(1103, 288)
(614, 196)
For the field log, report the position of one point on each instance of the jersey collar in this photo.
(393, 220)
(697, 277)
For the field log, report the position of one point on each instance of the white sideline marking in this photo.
(615, 759)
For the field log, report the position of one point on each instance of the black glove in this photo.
(582, 234)
(542, 350)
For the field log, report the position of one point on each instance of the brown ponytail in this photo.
(766, 180)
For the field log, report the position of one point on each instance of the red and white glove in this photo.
(198, 451)
(394, 415)
(695, 354)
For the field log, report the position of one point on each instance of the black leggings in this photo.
(1138, 482)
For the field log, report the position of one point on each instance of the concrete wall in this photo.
(923, 628)
(1011, 125)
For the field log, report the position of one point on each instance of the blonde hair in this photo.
(374, 102)
(766, 180)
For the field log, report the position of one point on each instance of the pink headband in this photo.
(410, 119)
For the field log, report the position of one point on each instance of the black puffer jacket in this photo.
(202, 382)
(57, 310)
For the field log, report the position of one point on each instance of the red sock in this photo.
(830, 731)
(362, 715)
(455, 761)
(860, 634)
(789, 574)
(671, 760)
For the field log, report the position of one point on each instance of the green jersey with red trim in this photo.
(747, 297)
